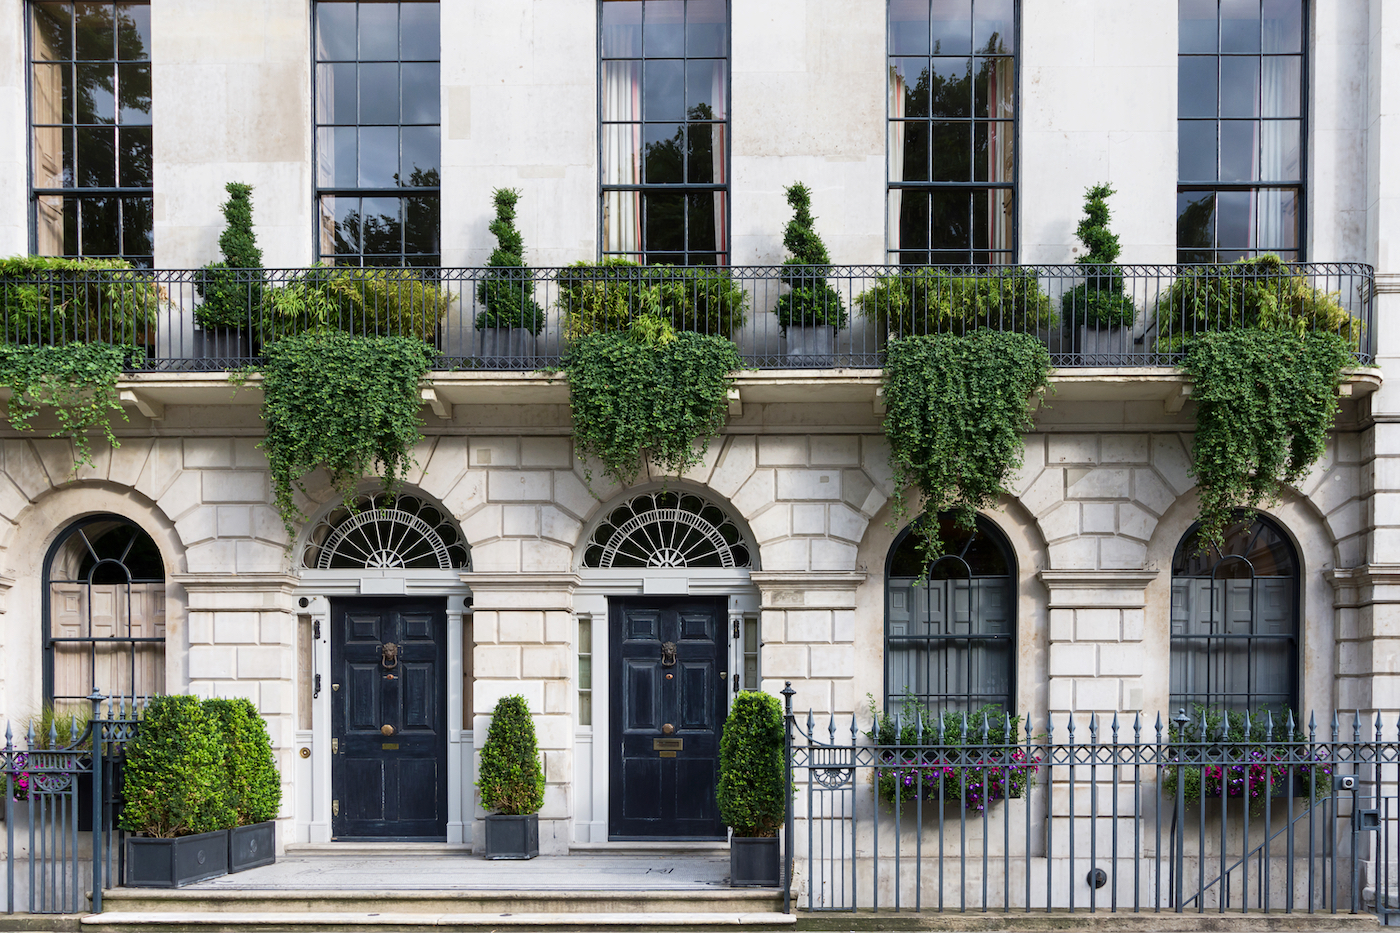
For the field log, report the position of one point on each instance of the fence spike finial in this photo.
(919, 728)
(30, 739)
(831, 728)
(1312, 726)
(1049, 728)
(1356, 726)
(1114, 727)
(986, 729)
(1269, 725)
(1378, 725)
(1093, 728)
(855, 730)
(1070, 726)
(9, 735)
(53, 733)
(1159, 727)
(1336, 726)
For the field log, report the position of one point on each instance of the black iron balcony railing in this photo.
(780, 317)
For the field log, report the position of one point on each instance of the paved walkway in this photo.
(591, 872)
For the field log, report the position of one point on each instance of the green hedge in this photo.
(363, 301)
(511, 779)
(250, 773)
(930, 300)
(751, 779)
(56, 301)
(609, 296)
(174, 772)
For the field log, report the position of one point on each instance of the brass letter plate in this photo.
(390, 746)
(666, 755)
(667, 745)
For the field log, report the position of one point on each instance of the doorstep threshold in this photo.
(364, 847)
(647, 846)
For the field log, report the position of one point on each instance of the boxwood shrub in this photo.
(511, 779)
(751, 780)
(174, 773)
(250, 772)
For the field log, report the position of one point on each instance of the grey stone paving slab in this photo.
(470, 873)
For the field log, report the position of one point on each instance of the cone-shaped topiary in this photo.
(811, 301)
(1100, 301)
(508, 295)
(231, 295)
(174, 773)
(250, 773)
(751, 781)
(511, 780)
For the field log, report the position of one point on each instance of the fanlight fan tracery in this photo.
(384, 532)
(667, 529)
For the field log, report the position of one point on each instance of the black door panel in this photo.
(389, 718)
(666, 657)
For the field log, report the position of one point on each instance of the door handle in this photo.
(667, 729)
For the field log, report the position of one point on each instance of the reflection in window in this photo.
(90, 114)
(952, 131)
(1240, 130)
(1234, 638)
(663, 88)
(950, 626)
(105, 598)
(378, 131)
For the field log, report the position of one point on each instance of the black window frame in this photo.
(955, 552)
(895, 253)
(1185, 187)
(78, 195)
(402, 193)
(1187, 550)
(685, 188)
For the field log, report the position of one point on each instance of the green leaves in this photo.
(629, 394)
(956, 409)
(811, 302)
(751, 780)
(174, 773)
(78, 379)
(349, 404)
(1265, 402)
(511, 780)
(230, 293)
(250, 773)
(508, 294)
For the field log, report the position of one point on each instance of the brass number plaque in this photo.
(666, 754)
(667, 745)
(390, 746)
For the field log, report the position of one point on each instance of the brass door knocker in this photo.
(668, 654)
(389, 654)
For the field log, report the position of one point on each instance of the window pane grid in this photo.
(1240, 128)
(663, 135)
(90, 119)
(378, 118)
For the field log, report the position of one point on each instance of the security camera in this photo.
(1346, 782)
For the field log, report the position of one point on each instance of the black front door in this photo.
(667, 710)
(389, 718)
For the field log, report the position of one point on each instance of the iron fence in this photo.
(779, 316)
(1093, 815)
(61, 802)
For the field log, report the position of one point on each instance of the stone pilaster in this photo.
(807, 631)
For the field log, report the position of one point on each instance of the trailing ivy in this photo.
(347, 403)
(955, 411)
(1265, 401)
(78, 379)
(648, 388)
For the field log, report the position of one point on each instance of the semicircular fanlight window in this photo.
(384, 532)
(667, 529)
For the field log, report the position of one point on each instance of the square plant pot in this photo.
(753, 862)
(173, 863)
(811, 345)
(515, 837)
(507, 343)
(252, 846)
(1106, 345)
(222, 343)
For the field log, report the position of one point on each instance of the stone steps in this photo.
(388, 920)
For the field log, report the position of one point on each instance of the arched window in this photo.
(104, 610)
(385, 532)
(1235, 620)
(950, 626)
(667, 529)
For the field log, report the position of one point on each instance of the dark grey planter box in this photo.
(507, 342)
(1111, 343)
(252, 846)
(515, 837)
(811, 345)
(753, 862)
(173, 863)
(222, 343)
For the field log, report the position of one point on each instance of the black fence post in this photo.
(788, 694)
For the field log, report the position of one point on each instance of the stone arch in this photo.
(421, 533)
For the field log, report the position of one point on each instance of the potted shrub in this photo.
(361, 301)
(931, 300)
(511, 782)
(1098, 312)
(176, 806)
(231, 289)
(752, 792)
(52, 301)
(610, 296)
(811, 313)
(253, 784)
(510, 319)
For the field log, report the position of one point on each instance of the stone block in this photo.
(162, 466)
(1121, 660)
(246, 454)
(1121, 553)
(1061, 694)
(128, 460)
(486, 693)
(446, 466)
(56, 455)
(1103, 483)
(545, 557)
(700, 473)
(559, 526)
(212, 557)
(276, 628)
(1070, 660)
(809, 484)
(835, 450)
(1099, 694)
(519, 627)
(1097, 624)
(1074, 554)
(485, 524)
(201, 524)
(208, 453)
(735, 466)
(235, 486)
(251, 690)
(846, 523)
(1150, 492)
(554, 731)
(875, 462)
(181, 496)
(520, 521)
(265, 663)
(856, 488)
(831, 660)
(772, 523)
(201, 627)
(496, 661)
(828, 554)
(236, 628)
(483, 627)
(755, 494)
(1134, 624)
(1073, 449)
(1133, 522)
(843, 625)
(1046, 491)
(1098, 518)
(545, 661)
(212, 663)
(782, 450)
(807, 626)
(786, 554)
(518, 486)
(502, 556)
(1060, 522)
(559, 697)
(259, 556)
(235, 521)
(494, 452)
(784, 662)
(808, 519)
(1172, 460)
(571, 494)
(546, 452)
(1123, 448)
(1347, 520)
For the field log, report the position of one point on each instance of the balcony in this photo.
(1089, 317)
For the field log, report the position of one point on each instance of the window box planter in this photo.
(512, 837)
(753, 862)
(507, 343)
(252, 846)
(811, 345)
(173, 863)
